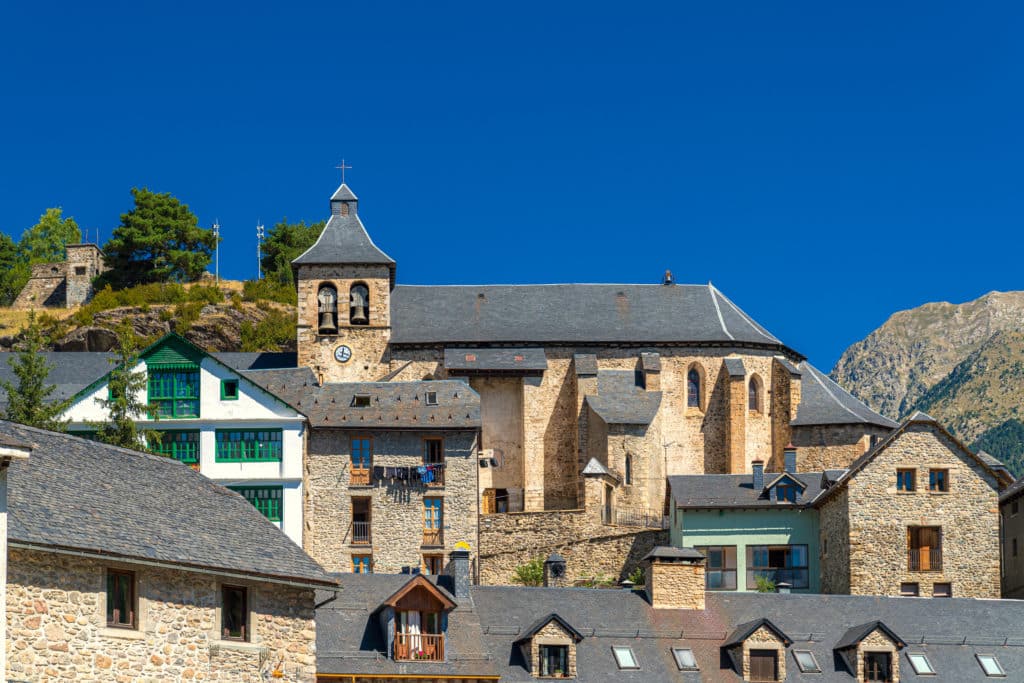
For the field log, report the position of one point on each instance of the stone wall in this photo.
(369, 343)
(834, 543)
(46, 287)
(880, 515)
(764, 639)
(501, 414)
(56, 618)
(675, 585)
(833, 447)
(397, 513)
(589, 548)
(877, 641)
(552, 634)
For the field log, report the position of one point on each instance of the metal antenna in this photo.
(259, 251)
(216, 235)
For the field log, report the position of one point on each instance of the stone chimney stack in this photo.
(458, 574)
(758, 467)
(675, 578)
(789, 459)
(650, 367)
(554, 571)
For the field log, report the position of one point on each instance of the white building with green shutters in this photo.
(218, 419)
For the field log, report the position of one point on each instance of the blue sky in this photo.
(824, 164)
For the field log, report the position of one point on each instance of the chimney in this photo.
(758, 466)
(789, 459)
(675, 578)
(554, 571)
(783, 587)
(457, 573)
(668, 278)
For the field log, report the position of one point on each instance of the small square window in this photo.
(906, 480)
(684, 658)
(234, 613)
(430, 398)
(990, 665)
(910, 590)
(624, 657)
(361, 401)
(362, 564)
(806, 662)
(942, 590)
(79, 270)
(229, 390)
(938, 481)
(922, 667)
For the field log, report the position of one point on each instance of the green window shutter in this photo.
(267, 499)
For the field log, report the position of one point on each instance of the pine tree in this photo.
(27, 403)
(122, 404)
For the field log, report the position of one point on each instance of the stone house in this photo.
(124, 566)
(1011, 503)
(669, 631)
(63, 285)
(590, 395)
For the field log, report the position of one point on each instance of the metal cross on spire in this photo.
(342, 166)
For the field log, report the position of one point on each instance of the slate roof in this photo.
(259, 360)
(823, 402)
(620, 401)
(544, 621)
(855, 634)
(735, 491)
(71, 371)
(520, 360)
(344, 239)
(349, 639)
(572, 314)
(394, 405)
(734, 366)
(669, 553)
(1014, 491)
(747, 629)
(72, 493)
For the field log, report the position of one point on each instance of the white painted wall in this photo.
(253, 409)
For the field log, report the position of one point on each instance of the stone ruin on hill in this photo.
(63, 285)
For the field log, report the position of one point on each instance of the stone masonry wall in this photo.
(552, 634)
(397, 514)
(833, 447)
(764, 639)
(877, 641)
(968, 515)
(56, 620)
(834, 542)
(676, 585)
(589, 548)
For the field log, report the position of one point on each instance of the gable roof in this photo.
(79, 495)
(420, 581)
(544, 621)
(855, 634)
(918, 418)
(823, 402)
(715, 491)
(787, 475)
(573, 314)
(744, 631)
(344, 239)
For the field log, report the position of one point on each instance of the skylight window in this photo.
(624, 657)
(361, 401)
(806, 662)
(684, 658)
(921, 664)
(990, 665)
(431, 398)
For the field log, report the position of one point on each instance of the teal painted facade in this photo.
(751, 527)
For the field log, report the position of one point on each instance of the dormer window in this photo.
(418, 610)
(361, 401)
(359, 304)
(786, 492)
(878, 666)
(327, 303)
(550, 648)
(554, 661)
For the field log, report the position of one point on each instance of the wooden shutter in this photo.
(763, 665)
(489, 500)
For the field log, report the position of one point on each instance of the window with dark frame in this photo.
(361, 401)
(878, 666)
(430, 398)
(720, 572)
(234, 613)
(764, 665)
(910, 590)
(778, 563)
(433, 564)
(786, 493)
(905, 480)
(433, 451)
(693, 388)
(121, 599)
(938, 480)
(554, 660)
(229, 390)
(362, 564)
(924, 548)
(942, 590)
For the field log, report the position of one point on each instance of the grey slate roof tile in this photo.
(585, 364)
(522, 360)
(71, 371)
(620, 401)
(734, 366)
(77, 494)
(735, 491)
(823, 402)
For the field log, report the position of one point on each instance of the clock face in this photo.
(342, 354)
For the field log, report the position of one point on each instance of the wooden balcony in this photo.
(359, 476)
(425, 647)
(924, 560)
(433, 537)
(361, 533)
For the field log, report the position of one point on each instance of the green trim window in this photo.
(248, 445)
(174, 390)
(229, 390)
(182, 446)
(266, 499)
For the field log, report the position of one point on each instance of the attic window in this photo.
(990, 665)
(806, 662)
(922, 667)
(430, 398)
(684, 659)
(361, 401)
(624, 657)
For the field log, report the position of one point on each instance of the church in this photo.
(519, 420)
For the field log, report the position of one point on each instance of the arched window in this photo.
(629, 469)
(327, 304)
(359, 304)
(693, 388)
(754, 393)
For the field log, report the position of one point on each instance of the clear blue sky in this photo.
(823, 165)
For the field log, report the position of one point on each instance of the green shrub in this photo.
(530, 573)
(186, 314)
(637, 576)
(269, 334)
(269, 290)
(765, 585)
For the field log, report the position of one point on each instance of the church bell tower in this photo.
(344, 285)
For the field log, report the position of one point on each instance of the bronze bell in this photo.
(328, 322)
(358, 315)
